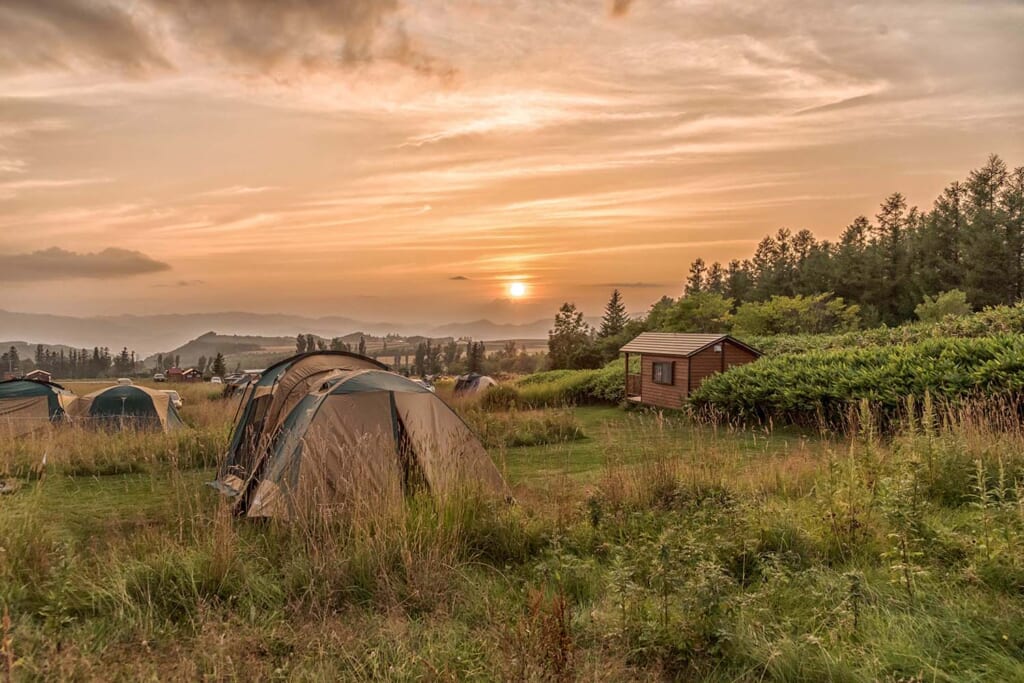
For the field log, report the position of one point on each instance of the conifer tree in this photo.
(615, 318)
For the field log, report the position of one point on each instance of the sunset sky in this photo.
(408, 159)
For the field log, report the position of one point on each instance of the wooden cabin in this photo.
(673, 365)
(39, 375)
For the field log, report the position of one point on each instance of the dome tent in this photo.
(133, 406)
(27, 404)
(473, 383)
(335, 428)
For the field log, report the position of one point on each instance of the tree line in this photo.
(72, 363)
(965, 253)
(972, 239)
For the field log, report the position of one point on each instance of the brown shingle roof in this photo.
(676, 343)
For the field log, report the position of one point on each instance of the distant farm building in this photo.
(673, 365)
(186, 375)
(39, 376)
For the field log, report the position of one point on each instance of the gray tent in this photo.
(472, 384)
(329, 429)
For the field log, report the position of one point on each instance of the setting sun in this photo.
(517, 290)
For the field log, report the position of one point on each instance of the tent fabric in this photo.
(26, 405)
(473, 383)
(323, 465)
(448, 451)
(123, 406)
(263, 412)
(356, 437)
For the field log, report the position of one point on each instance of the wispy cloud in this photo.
(412, 141)
(245, 37)
(12, 188)
(632, 285)
(181, 283)
(237, 191)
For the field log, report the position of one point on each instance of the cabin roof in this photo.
(678, 343)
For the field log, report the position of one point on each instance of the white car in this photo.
(159, 377)
(124, 380)
(175, 397)
(426, 385)
(216, 380)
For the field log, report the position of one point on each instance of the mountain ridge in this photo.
(149, 334)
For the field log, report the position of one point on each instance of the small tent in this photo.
(473, 383)
(27, 404)
(331, 428)
(128, 406)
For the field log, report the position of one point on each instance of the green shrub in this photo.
(573, 387)
(796, 314)
(935, 308)
(826, 385)
(997, 320)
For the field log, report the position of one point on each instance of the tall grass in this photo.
(79, 448)
(690, 553)
(573, 387)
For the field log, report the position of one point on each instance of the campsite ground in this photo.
(641, 546)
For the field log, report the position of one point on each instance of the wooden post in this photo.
(627, 374)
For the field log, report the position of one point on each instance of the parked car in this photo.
(124, 380)
(175, 397)
(159, 377)
(216, 380)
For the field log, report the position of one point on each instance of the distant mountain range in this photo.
(149, 334)
(249, 351)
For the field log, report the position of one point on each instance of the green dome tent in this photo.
(332, 429)
(128, 406)
(28, 404)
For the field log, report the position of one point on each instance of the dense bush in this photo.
(808, 387)
(991, 321)
(815, 314)
(935, 308)
(561, 387)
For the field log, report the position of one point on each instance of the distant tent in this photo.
(237, 385)
(27, 404)
(331, 428)
(473, 383)
(125, 406)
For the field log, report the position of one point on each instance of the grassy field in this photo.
(641, 546)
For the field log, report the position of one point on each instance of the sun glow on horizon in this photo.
(517, 290)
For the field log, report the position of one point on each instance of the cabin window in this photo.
(718, 348)
(661, 373)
